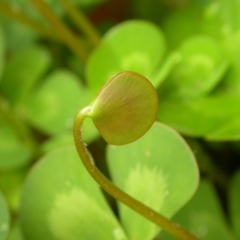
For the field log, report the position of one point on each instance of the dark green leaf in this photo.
(234, 202)
(203, 215)
(22, 72)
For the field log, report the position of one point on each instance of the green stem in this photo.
(17, 126)
(117, 193)
(165, 68)
(82, 22)
(74, 43)
(24, 19)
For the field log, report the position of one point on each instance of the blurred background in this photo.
(56, 55)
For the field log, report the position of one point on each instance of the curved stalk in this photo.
(81, 22)
(74, 43)
(16, 14)
(117, 193)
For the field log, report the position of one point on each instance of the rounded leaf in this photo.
(68, 204)
(134, 45)
(158, 170)
(125, 108)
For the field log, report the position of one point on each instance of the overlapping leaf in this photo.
(202, 116)
(14, 153)
(22, 72)
(71, 207)
(202, 66)
(203, 215)
(135, 45)
(158, 170)
(58, 98)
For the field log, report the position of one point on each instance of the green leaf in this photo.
(181, 24)
(231, 81)
(234, 198)
(15, 232)
(125, 108)
(229, 130)
(68, 204)
(153, 170)
(200, 116)
(203, 215)
(22, 72)
(18, 36)
(2, 51)
(221, 17)
(202, 66)
(134, 45)
(4, 218)
(13, 152)
(53, 105)
(11, 185)
(161, 73)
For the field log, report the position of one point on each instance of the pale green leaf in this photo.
(159, 170)
(13, 152)
(202, 116)
(202, 66)
(54, 104)
(22, 72)
(62, 202)
(134, 45)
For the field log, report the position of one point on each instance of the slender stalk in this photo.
(117, 193)
(17, 126)
(82, 22)
(166, 68)
(24, 19)
(74, 43)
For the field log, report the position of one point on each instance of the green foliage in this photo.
(4, 218)
(204, 217)
(189, 50)
(234, 200)
(14, 153)
(202, 65)
(73, 191)
(58, 97)
(71, 207)
(22, 72)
